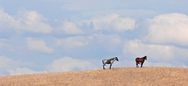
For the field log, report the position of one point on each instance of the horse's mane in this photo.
(144, 57)
(112, 58)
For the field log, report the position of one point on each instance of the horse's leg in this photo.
(110, 66)
(103, 66)
(137, 64)
(142, 64)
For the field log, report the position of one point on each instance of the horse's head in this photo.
(145, 57)
(116, 59)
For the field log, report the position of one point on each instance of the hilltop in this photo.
(147, 76)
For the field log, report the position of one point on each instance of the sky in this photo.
(41, 36)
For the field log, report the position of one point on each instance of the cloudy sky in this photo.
(71, 35)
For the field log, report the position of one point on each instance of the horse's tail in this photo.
(136, 59)
(102, 61)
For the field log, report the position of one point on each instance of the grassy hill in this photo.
(147, 76)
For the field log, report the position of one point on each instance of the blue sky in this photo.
(70, 35)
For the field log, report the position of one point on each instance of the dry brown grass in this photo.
(148, 76)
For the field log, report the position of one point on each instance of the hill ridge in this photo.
(126, 76)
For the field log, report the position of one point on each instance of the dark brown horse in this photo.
(140, 60)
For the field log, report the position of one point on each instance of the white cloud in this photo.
(7, 64)
(80, 5)
(164, 64)
(73, 42)
(112, 21)
(123, 24)
(29, 21)
(143, 13)
(34, 22)
(68, 64)
(155, 52)
(114, 39)
(71, 28)
(4, 45)
(110, 42)
(39, 45)
(24, 70)
(169, 28)
(6, 20)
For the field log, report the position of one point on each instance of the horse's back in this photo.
(104, 61)
(139, 59)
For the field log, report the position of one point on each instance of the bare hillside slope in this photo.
(148, 76)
